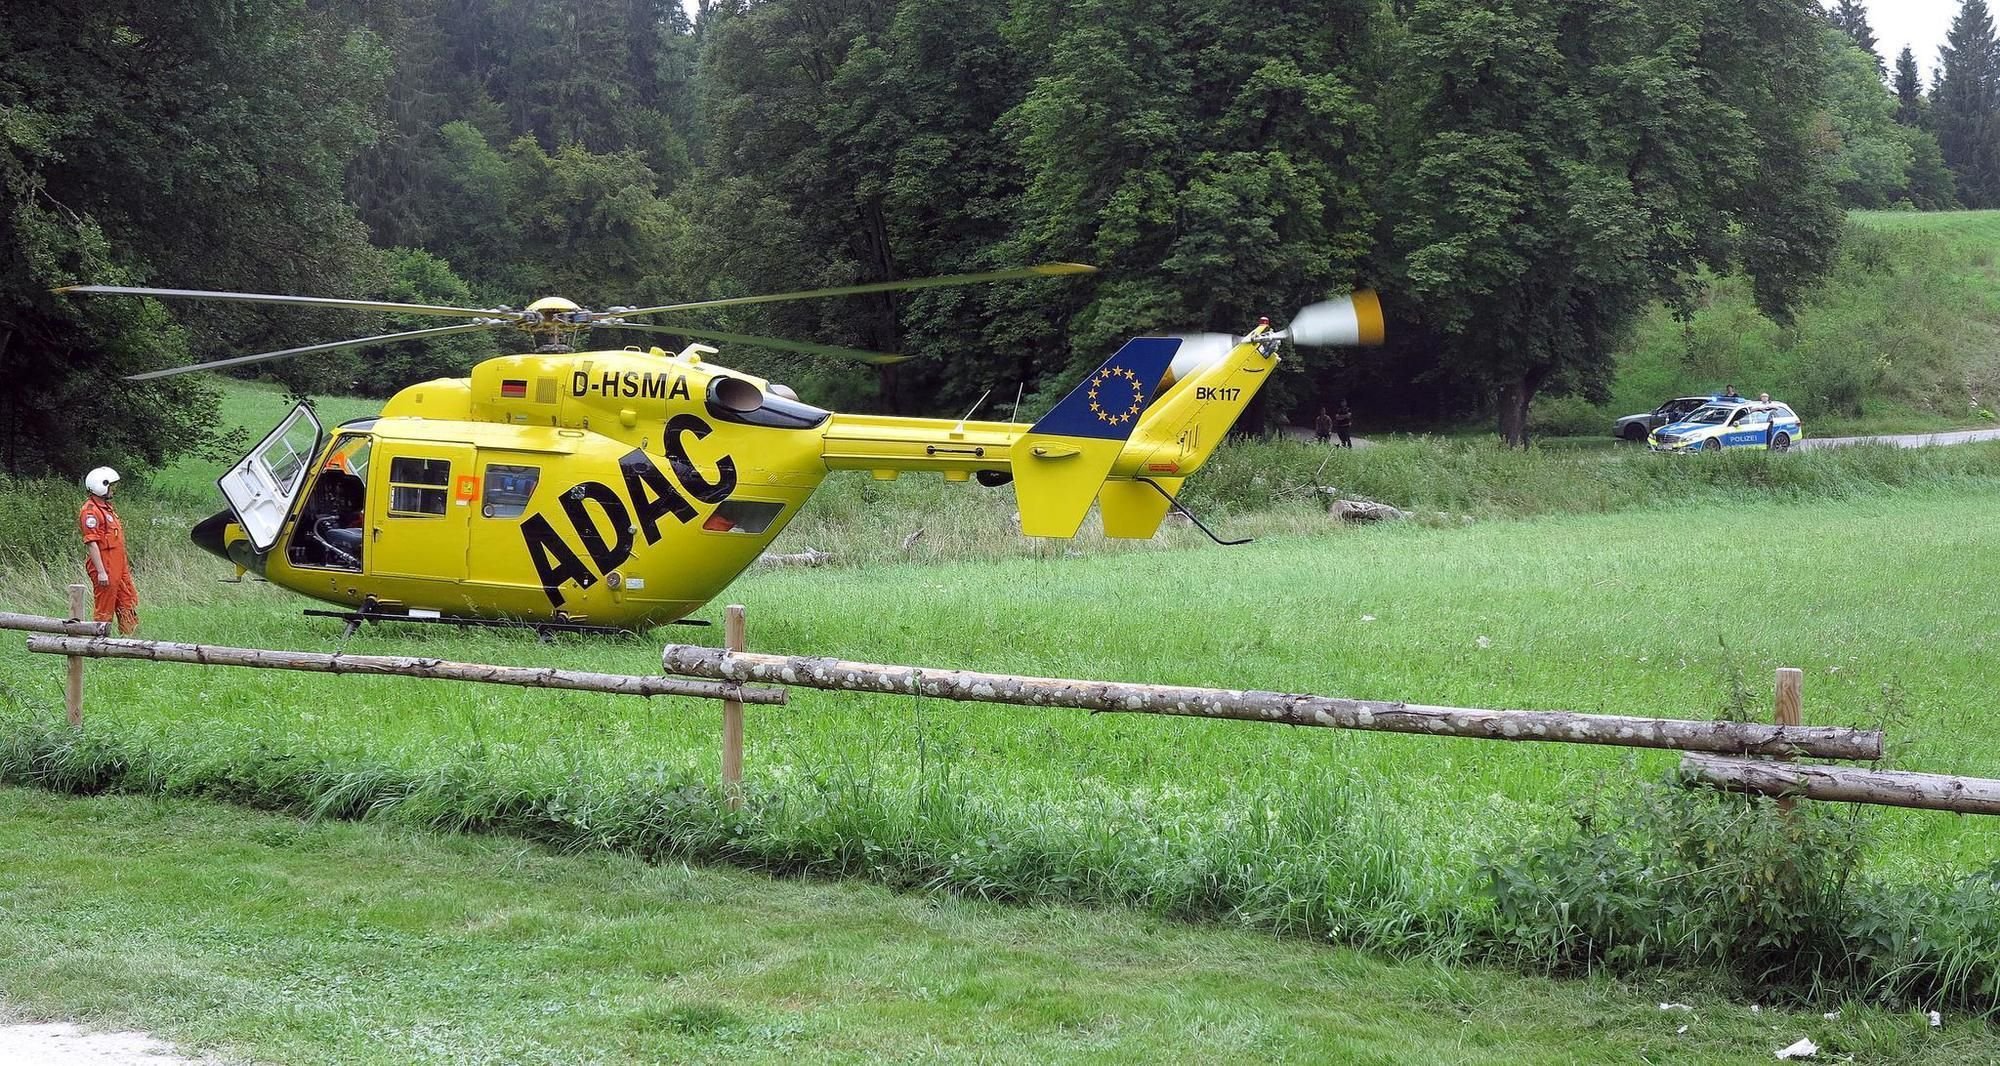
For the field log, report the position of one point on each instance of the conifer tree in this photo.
(1930, 187)
(1851, 17)
(1909, 89)
(1964, 104)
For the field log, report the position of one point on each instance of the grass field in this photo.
(1590, 580)
(273, 939)
(1374, 840)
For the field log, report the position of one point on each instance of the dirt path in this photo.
(1905, 440)
(63, 1044)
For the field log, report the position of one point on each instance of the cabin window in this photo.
(288, 456)
(417, 486)
(508, 489)
(742, 516)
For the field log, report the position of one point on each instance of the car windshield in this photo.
(1713, 415)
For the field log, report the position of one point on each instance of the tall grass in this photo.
(1477, 478)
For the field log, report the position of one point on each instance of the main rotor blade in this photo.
(261, 298)
(1044, 270)
(858, 354)
(243, 360)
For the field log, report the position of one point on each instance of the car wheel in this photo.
(1635, 432)
(1781, 443)
(1711, 445)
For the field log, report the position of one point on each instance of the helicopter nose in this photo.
(207, 534)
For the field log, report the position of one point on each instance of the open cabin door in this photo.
(261, 487)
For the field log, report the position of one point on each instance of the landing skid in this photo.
(542, 629)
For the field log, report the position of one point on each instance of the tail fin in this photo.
(1060, 463)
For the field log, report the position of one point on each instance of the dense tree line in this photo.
(1521, 177)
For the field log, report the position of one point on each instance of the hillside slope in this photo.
(1905, 335)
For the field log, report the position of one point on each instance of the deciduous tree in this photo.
(196, 145)
(1569, 162)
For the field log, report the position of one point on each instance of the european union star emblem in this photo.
(1116, 381)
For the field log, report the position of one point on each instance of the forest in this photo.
(1521, 179)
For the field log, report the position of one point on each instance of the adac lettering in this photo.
(630, 384)
(608, 523)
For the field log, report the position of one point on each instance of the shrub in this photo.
(1657, 875)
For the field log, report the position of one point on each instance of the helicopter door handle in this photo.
(377, 534)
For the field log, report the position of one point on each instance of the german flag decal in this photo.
(513, 389)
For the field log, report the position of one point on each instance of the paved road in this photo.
(1905, 440)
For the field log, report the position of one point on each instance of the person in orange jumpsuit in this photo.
(105, 561)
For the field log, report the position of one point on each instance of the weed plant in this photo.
(1657, 875)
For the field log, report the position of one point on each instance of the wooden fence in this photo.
(1737, 756)
(1717, 754)
(79, 640)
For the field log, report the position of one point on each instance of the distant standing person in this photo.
(1343, 424)
(1323, 426)
(105, 561)
(1729, 393)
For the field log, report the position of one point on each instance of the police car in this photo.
(1730, 424)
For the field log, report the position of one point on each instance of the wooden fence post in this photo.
(73, 691)
(733, 628)
(1787, 700)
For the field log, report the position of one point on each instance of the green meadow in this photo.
(1592, 580)
(1860, 567)
(259, 937)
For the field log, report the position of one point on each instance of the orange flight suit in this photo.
(117, 597)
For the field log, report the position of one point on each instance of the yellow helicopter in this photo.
(618, 489)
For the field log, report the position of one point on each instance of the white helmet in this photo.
(99, 481)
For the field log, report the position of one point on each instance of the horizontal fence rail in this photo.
(1831, 742)
(1846, 784)
(401, 666)
(34, 623)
